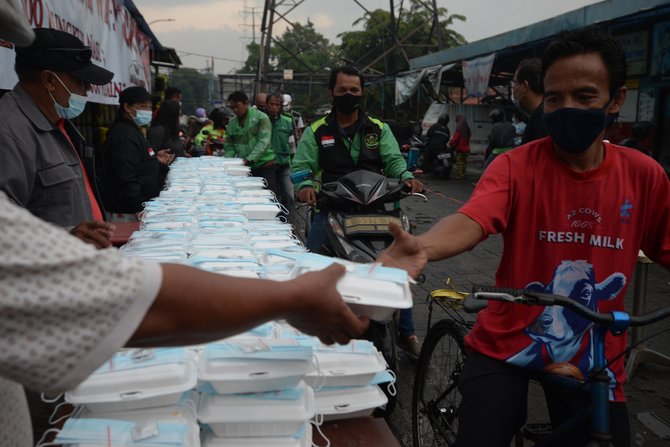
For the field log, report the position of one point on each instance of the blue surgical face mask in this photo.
(119, 433)
(142, 117)
(142, 358)
(76, 103)
(574, 130)
(258, 349)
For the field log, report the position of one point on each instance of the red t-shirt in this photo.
(570, 233)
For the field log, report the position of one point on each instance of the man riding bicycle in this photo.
(573, 210)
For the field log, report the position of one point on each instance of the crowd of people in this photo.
(69, 302)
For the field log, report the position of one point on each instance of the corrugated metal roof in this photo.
(604, 11)
(160, 53)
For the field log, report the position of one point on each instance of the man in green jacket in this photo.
(282, 130)
(248, 136)
(346, 140)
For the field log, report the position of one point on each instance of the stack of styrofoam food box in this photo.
(138, 397)
(346, 378)
(253, 392)
(257, 388)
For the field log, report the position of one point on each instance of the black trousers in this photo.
(269, 173)
(494, 406)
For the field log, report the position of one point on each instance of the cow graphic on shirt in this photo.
(558, 334)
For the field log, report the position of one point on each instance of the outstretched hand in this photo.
(95, 232)
(320, 310)
(406, 252)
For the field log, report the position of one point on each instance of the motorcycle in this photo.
(413, 151)
(356, 229)
(211, 145)
(444, 163)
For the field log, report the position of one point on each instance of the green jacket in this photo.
(307, 155)
(282, 129)
(252, 141)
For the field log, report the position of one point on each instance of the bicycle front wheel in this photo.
(436, 398)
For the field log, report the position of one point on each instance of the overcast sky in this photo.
(222, 28)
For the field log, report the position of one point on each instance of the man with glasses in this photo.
(45, 164)
(527, 93)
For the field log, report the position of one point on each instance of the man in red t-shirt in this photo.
(573, 210)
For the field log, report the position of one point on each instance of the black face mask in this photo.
(347, 103)
(574, 130)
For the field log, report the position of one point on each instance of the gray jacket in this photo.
(39, 167)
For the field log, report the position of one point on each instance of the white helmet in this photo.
(287, 101)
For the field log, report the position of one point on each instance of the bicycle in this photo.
(435, 397)
(436, 402)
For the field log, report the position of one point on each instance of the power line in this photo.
(208, 56)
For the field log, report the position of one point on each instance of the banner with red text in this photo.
(104, 25)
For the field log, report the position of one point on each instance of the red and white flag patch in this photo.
(327, 140)
(151, 152)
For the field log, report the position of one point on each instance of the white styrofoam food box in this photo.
(244, 415)
(209, 439)
(256, 211)
(233, 376)
(102, 439)
(344, 369)
(345, 403)
(144, 385)
(184, 410)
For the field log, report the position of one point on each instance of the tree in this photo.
(417, 29)
(251, 64)
(300, 48)
(386, 43)
(194, 87)
(303, 49)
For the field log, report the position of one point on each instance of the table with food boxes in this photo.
(271, 386)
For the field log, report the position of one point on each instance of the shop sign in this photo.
(635, 45)
(660, 60)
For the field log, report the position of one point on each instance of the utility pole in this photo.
(264, 49)
(245, 13)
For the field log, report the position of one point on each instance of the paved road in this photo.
(649, 390)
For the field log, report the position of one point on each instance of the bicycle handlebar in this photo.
(534, 298)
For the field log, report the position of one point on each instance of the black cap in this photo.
(133, 95)
(60, 51)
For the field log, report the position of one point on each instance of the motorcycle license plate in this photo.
(444, 156)
(368, 225)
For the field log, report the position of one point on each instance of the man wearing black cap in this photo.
(45, 164)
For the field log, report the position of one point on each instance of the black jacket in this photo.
(438, 137)
(335, 148)
(535, 128)
(159, 138)
(131, 169)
